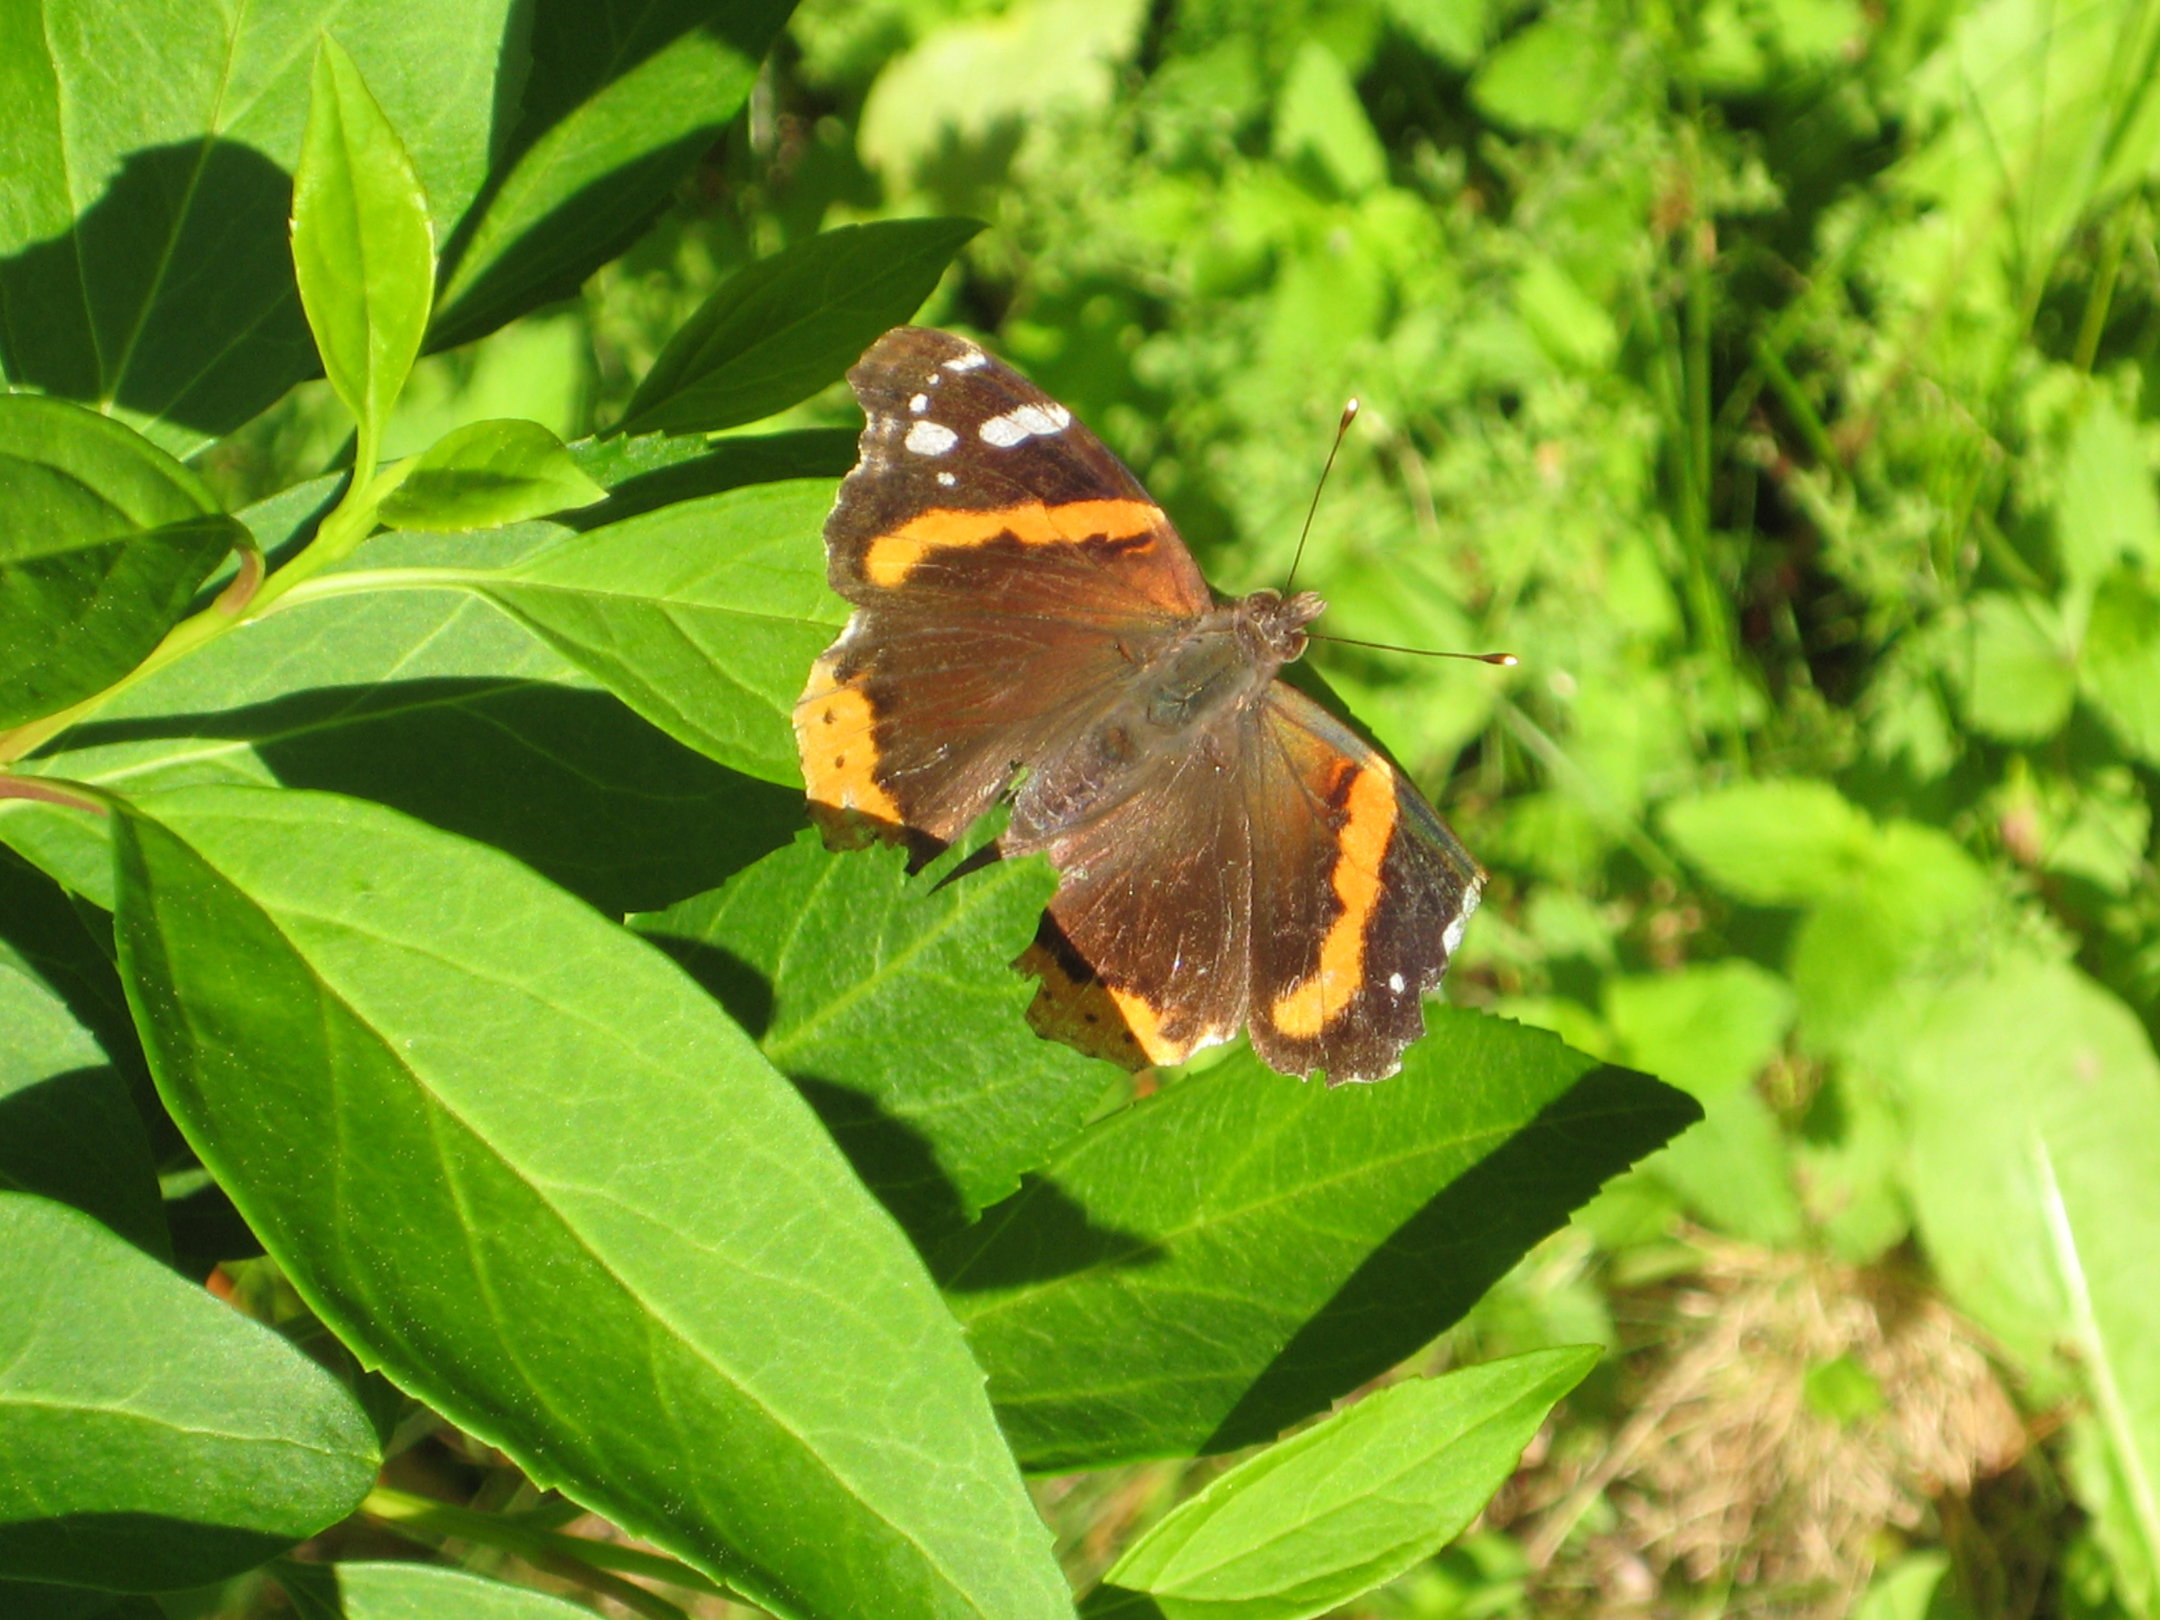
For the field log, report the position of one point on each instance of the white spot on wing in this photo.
(1024, 422)
(919, 404)
(1453, 936)
(968, 360)
(1394, 983)
(927, 438)
(946, 480)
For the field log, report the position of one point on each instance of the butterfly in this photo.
(1028, 626)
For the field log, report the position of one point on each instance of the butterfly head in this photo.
(1274, 624)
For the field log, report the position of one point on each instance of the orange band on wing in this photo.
(1146, 1026)
(1303, 1011)
(839, 755)
(892, 557)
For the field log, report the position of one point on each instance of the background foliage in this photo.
(1771, 375)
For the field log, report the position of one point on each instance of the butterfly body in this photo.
(1029, 625)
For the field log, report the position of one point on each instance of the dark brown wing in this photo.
(1360, 894)
(1144, 950)
(1008, 573)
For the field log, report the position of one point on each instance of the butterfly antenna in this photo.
(1349, 415)
(1504, 660)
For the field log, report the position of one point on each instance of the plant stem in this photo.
(579, 1558)
(2102, 291)
(349, 522)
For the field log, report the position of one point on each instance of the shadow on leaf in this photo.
(568, 781)
(1445, 1256)
(184, 268)
(1040, 1233)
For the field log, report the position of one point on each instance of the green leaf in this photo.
(68, 1129)
(2120, 667)
(145, 260)
(388, 679)
(979, 77)
(2105, 513)
(1919, 906)
(1318, 118)
(150, 1436)
(892, 1004)
(1772, 843)
(1451, 30)
(2032, 1095)
(1711, 1029)
(103, 541)
(405, 1591)
(517, 1160)
(2020, 675)
(1231, 1255)
(486, 474)
(779, 330)
(622, 100)
(1547, 79)
(704, 617)
(658, 469)
(1327, 1515)
(363, 246)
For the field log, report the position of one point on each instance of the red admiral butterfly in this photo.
(1228, 853)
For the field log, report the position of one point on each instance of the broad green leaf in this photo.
(1338, 1509)
(1452, 30)
(145, 260)
(2033, 1099)
(1707, 1028)
(150, 1436)
(404, 1591)
(68, 1129)
(1772, 843)
(2105, 513)
(704, 617)
(57, 939)
(1711, 1029)
(892, 1004)
(2032, 1096)
(416, 693)
(1231, 1255)
(27, 1600)
(2020, 674)
(1919, 906)
(1319, 119)
(779, 330)
(1546, 78)
(659, 469)
(979, 76)
(622, 99)
(2120, 667)
(363, 246)
(486, 474)
(517, 1160)
(103, 540)
(67, 845)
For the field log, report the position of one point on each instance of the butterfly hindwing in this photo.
(1360, 895)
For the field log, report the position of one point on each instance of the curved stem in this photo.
(592, 1563)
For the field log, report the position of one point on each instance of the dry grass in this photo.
(1793, 1421)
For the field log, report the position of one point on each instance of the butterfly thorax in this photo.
(1182, 692)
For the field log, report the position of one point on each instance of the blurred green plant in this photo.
(324, 821)
(1774, 376)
